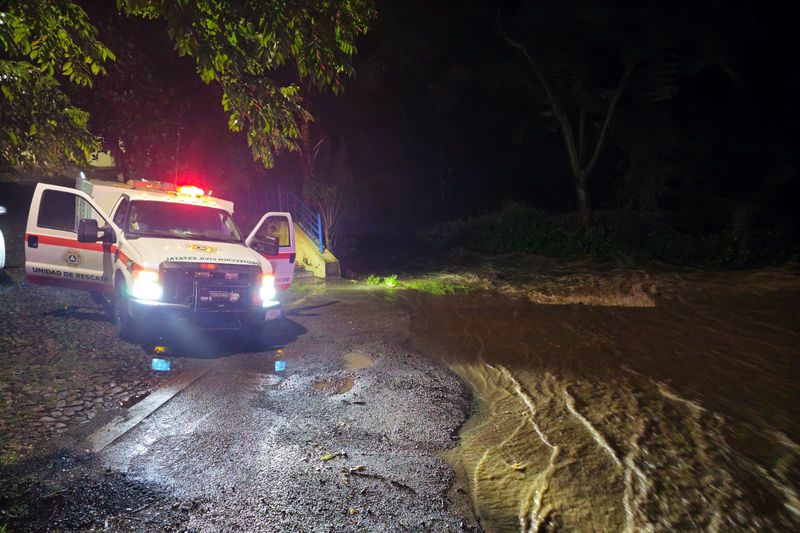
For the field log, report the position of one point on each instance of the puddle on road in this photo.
(356, 360)
(334, 385)
(685, 416)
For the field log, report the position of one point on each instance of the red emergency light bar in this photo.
(154, 185)
(191, 190)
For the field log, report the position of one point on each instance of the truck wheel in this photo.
(99, 298)
(127, 328)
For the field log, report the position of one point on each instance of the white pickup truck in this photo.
(161, 256)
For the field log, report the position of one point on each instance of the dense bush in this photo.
(616, 235)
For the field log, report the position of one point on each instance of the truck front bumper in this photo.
(165, 313)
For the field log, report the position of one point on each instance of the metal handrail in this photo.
(306, 218)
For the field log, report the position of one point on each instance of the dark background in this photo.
(444, 119)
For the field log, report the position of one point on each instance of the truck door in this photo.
(278, 226)
(53, 254)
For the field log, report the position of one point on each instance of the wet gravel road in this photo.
(266, 450)
(346, 437)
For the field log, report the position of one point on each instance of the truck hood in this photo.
(154, 251)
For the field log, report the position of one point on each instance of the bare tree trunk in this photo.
(306, 158)
(577, 149)
(584, 205)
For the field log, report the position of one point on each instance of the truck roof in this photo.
(164, 196)
(106, 193)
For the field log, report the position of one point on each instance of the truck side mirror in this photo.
(87, 230)
(109, 235)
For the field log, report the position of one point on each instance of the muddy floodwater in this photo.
(684, 415)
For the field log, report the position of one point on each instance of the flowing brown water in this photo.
(682, 416)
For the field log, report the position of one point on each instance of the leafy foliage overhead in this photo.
(258, 50)
(41, 42)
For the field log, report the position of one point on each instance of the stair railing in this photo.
(306, 218)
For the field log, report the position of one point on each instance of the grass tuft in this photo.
(437, 286)
(430, 286)
(374, 280)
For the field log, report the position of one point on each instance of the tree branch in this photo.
(604, 131)
(563, 121)
(581, 133)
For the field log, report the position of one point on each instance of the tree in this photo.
(42, 43)
(140, 108)
(584, 59)
(255, 49)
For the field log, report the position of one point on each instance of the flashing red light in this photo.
(191, 190)
(208, 266)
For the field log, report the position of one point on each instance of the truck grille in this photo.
(217, 287)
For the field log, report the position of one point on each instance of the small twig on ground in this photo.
(354, 402)
(143, 507)
(357, 471)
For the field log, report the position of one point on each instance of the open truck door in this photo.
(69, 241)
(273, 237)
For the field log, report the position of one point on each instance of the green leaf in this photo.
(243, 45)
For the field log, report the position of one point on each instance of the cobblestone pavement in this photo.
(61, 363)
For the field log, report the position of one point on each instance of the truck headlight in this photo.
(267, 289)
(146, 286)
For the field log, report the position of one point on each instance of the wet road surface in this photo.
(257, 449)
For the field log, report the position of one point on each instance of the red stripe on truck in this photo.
(124, 259)
(92, 246)
(59, 241)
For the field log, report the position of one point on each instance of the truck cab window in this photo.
(122, 210)
(277, 227)
(63, 211)
(169, 219)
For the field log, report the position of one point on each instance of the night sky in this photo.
(445, 119)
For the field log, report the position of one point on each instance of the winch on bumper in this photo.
(209, 295)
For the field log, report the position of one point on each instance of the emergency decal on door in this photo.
(72, 258)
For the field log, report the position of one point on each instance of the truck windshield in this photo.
(182, 221)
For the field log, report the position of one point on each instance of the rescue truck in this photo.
(157, 254)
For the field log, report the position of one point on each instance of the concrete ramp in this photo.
(322, 264)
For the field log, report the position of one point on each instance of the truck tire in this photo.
(99, 298)
(127, 326)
